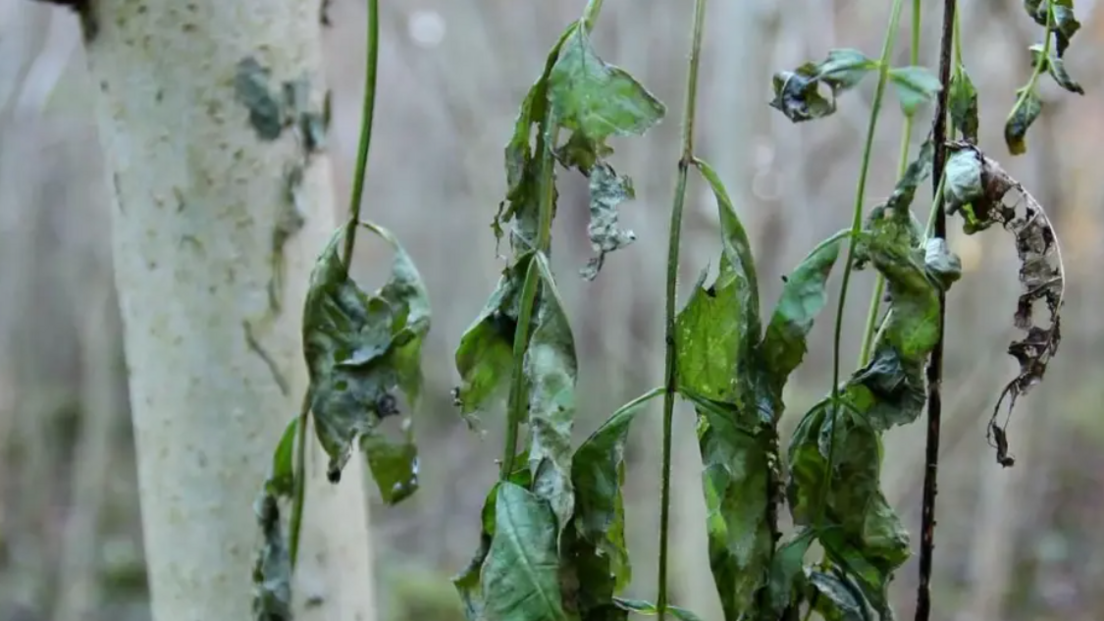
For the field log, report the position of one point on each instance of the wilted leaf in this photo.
(281, 480)
(360, 348)
(803, 297)
(272, 567)
(914, 86)
(1041, 274)
(550, 370)
(1056, 67)
(485, 355)
(607, 191)
(837, 598)
(1065, 23)
(521, 574)
(786, 569)
(797, 94)
(963, 104)
(1027, 109)
(942, 266)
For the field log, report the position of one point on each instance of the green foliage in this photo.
(797, 93)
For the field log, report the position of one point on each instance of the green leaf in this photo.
(786, 574)
(797, 94)
(1065, 25)
(485, 355)
(596, 99)
(963, 104)
(598, 472)
(914, 86)
(803, 297)
(550, 370)
(607, 191)
(521, 574)
(1056, 67)
(281, 481)
(394, 465)
(649, 609)
(737, 462)
(360, 348)
(838, 598)
(1027, 109)
(916, 173)
(272, 566)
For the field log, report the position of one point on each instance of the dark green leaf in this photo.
(394, 465)
(1056, 67)
(468, 582)
(551, 368)
(786, 572)
(737, 450)
(521, 574)
(803, 297)
(596, 99)
(837, 598)
(963, 104)
(649, 609)
(914, 86)
(360, 348)
(485, 355)
(1027, 109)
(607, 191)
(797, 94)
(916, 173)
(1065, 25)
(272, 566)
(281, 481)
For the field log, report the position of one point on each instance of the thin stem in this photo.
(1039, 66)
(935, 364)
(371, 62)
(902, 165)
(856, 228)
(670, 373)
(518, 397)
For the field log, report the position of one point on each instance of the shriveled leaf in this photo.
(1027, 109)
(838, 599)
(597, 99)
(1056, 67)
(962, 186)
(598, 472)
(281, 480)
(1041, 274)
(550, 370)
(914, 86)
(521, 573)
(486, 350)
(803, 297)
(272, 567)
(786, 573)
(1065, 22)
(738, 463)
(607, 191)
(797, 94)
(360, 348)
(963, 104)
(942, 266)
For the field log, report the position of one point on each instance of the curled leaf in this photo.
(837, 597)
(648, 609)
(272, 567)
(914, 86)
(786, 574)
(1027, 109)
(361, 348)
(1056, 67)
(1064, 25)
(281, 480)
(994, 197)
(797, 93)
(607, 191)
(963, 104)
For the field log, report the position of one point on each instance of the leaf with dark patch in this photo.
(485, 355)
(982, 196)
(1056, 67)
(797, 93)
(521, 573)
(596, 101)
(836, 597)
(963, 104)
(272, 566)
(1027, 109)
(803, 297)
(360, 348)
(551, 372)
(598, 472)
(1064, 25)
(914, 86)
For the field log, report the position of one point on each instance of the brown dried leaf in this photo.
(997, 198)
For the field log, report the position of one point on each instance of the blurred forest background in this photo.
(1017, 544)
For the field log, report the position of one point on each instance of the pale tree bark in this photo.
(210, 211)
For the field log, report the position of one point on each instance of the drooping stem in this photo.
(856, 228)
(675, 234)
(902, 165)
(369, 104)
(935, 363)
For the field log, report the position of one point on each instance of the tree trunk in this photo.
(222, 196)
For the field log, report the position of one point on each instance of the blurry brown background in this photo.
(1015, 544)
